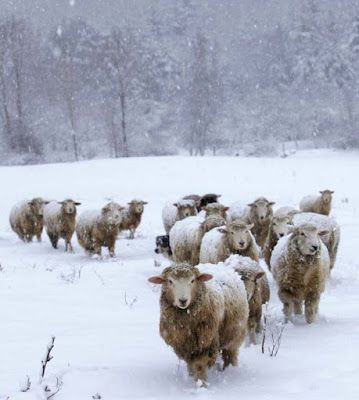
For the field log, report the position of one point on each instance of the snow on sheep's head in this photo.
(137, 206)
(112, 213)
(307, 239)
(250, 279)
(326, 195)
(37, 206)
(216, 209)
(281, 226)
(239, 234)
(261, 210)
(69, 206)
(180, 283)
(186, 208)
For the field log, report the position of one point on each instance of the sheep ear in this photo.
(332, 191)
(222, 230)
(321, 191)
(204, 277)
(77, 203)
(158, 280)
(259, 275)
(175, 204)
(225, 208)
(251, 204)
(144, 202)
(46, 202)
(218, 195)
(323, 233)
(271, 203)
(60, 202)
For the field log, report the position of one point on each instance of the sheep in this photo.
(219, 244)
(26, 219)
(300, 266)
(286, 211)
(163, 246)
(317, 204)
(278, 228)
(213, 221)
(204, 313)
(260, 213)
(60, 221)
(185, 240)
(257, 288)
(131, 217)
(177, 211)
(99, 228)
(323, 222)
(216, 209)
(196, 198)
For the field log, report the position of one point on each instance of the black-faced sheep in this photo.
(300, 266)
(257, 288)
(172, 213)
(99, 228)
(60, 221)
(278, 228)
(317, 204)
(234, 238)
(323, 223)
(26, 219)
(131, 217)
(204, 313)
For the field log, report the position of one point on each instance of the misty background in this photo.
(83, 79)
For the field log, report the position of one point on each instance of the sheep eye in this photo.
(170, 281)
(302, 234)
(192, 281)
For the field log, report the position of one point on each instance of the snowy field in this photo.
(105, 314)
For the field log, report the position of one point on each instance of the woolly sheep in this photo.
(99, 228)
(26, 219)
(60, 221)
(219, 244)
(213, 221)
(185, 240)
(260, 213)
(300, 266)
(216, 209)
(317, 204)
(323, 223)
(196, 198)
(176, 212)
(204, 313)
(257, 288)
(278, 228)
(131, 217)
(236, 211)
(163, 246)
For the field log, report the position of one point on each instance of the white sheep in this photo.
(60, 221)
(173, 212)
(317, 204)
(300, 266)
(234, 238)
(204, 313)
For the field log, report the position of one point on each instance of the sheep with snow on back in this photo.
(323, 223)
(300, 266)
(185, 240)
(204, 313)
(278, 228)
(317, 204)
(234, 238)
(196, 198)
(131, 217)
(260, 214)
(257, 288)
(172, 213)
(286, 211)
(163, 246)
(26, 219)
(99, 228)
(60, 221)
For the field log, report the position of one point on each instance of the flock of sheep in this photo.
(213, 291)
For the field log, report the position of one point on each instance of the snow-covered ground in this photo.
(105, 314)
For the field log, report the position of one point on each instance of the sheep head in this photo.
(261, 210)
(306, 238)
(238, 234)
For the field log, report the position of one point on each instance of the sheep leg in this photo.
(287, 300)
(68, 246)
(111, 247)
(251, 330)
(97, 247)
(298, 309)
(230, 357)
(132, 234)
(311, 307)
(199, 369)
(38, 236)
(53, 239)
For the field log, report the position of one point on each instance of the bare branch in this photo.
(48, 357)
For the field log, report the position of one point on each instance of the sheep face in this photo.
(261, 210)
(216, 209)
(112, 213)
(326, 196)
(239, 235)
(250, 279)
(37, 206)
(137, 206)
(163, 245)
(69, 206)
(186, 209)
(280, 226)
(180, 284)
(307, 239)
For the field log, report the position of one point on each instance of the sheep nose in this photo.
(157, 251)
(183, 302)
(262, 218)
(315, 248)
(281, 234)
(241, 243)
